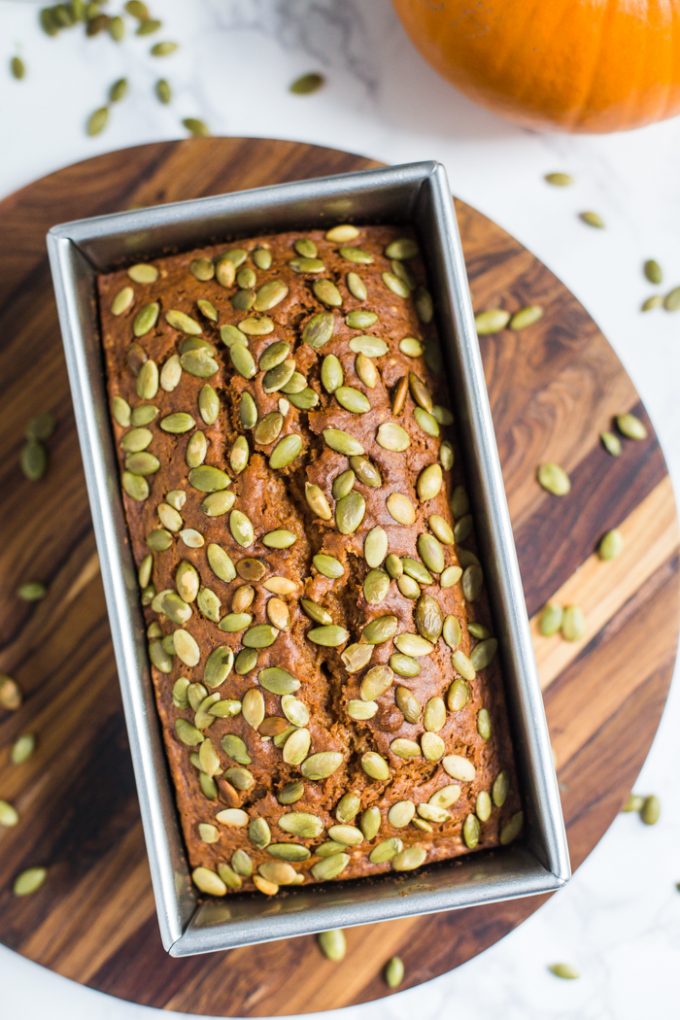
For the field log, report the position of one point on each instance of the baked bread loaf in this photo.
(319, 640)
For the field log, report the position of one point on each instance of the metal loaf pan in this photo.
(419, 194)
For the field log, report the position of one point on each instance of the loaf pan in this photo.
(418, 194)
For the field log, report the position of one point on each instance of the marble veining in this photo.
(619, 920)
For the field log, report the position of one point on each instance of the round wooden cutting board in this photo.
(554, 387)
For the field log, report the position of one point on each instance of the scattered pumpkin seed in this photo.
(610, 545)
(650, 812)
(10, 693)
(163, 49)
(307, 83)
(671, 301)
(559, 179)
(611, 443)
(394, 972)
(333, 944)
(631, 427)
(196, 127)
(33, 460)
(550, 620)
(119, 89)
(573, 625)
(652, 271)
(164, 95)
(564, 970)
(32, 591)
(22, 748)
(97, 121)
(525, 317)
(592, 219)
(29, 881)
(491, 321)
(553, 478)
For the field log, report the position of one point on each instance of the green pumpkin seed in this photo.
(652, 302)
(450, 575)
(327, 293)
(268, 429)
(183, 322)
(550, 619)
(22, 748)
(386, 851)
(483, 654)
(342, 442)
(317, 502)
(97, 121)
(650, 812)
(352, 399)
(631, 427)
(306, 84)
(428, 618)
(318, 330)
(120, 410)
(343, 484)
(408, 860)
(610, 545)
(473, 581)
(525, 317)
(196, 449)
(441, 529)
(32, 591)
(573, 623)
(333, 944)
(269, 295)
(361, 318)
(142, 463)
(315, 612)
(671, 301)
(653, 271)
(401, 508)
(371, 346)
(402, 248)
(500, 789)
(349, 512)
(366, 472)
(565, 971)
(321, 765)
(379, 630)
(463, 665)
(163, 49)
(280, 538)
(396, 285)
(611, 443)
(9, 816)
(356, 656)
(233, 623)
(429, 482)
(253, 326)
(207, 478)
(262, 635)
(484, 724)
(331, 867)
(146, 318)
(431, 553)
(29, 881)
(285, 451)
(471, 831)
(375, 766)
(491, 321)
(122, 301)
(329, 566)
(176, 423)
(135, 486)
(10, 693)
(393, 437)
(332, 375)
(553, 479)
(411, 347)
(404, 748)
(277, 680)
(375, 546)
(592, 219)
(329, 635)
(559, 179)
(241, 528)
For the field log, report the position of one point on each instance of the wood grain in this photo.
(553, 388)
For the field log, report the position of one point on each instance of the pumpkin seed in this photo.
(428, 618)
(525, 317)
(371, 346)
(550, 619)
(366, 472)
(280, 538)
(269, 295)
(207, 478)
(432, 745)
(463, 665)
(450, 575)
(431, 552)
(329, 635)
(146, 318)
(360, 711)
(434, 716)
(375, 766)
(242, 360)
(33, 460)
(183, 322)
(97, 121)
(327, 293)
(564, 971)
(483, 654)
(393, 437)
(610, 545)
(235, 747)
(277, 680)
(176, 423)
(633, 802)
(352, 400)
(631, 427)
(356, 656)
(385, 851)
(333, 944)
(650, 812)
(321, 765)
(342, 442)
(268, 429)
(429, 482)
(342, 233)
(491, 321)
(315, 612)
(653, 271)
(652, 302)
(471, 831)
(379, 630)
(484, 724)
(611, 443)
(285, 451)
(441, 528)
(307, 84)
(32, 591)
(254, 326)
(375, 546)
(407, 703)
(10, 693)
(401, 813)
(120, 410)
(135, 486)
(500, 789)
(573, 623)
(262, 635)
(9, 816)
(553, 479)
(329, 566)
(233, 623)
(241, 528)
(349, 512)
(592, 219)
(331, 867)
(29, 881)
(22, 748)
(559, 179)
(408, 860)
(400, 508)
(671, 301)
(317, 502)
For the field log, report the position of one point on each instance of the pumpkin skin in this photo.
(575, 65)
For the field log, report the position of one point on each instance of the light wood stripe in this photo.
(650, 536)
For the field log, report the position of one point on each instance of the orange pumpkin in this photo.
(576, 65)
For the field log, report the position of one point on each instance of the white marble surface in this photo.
(619, 920)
